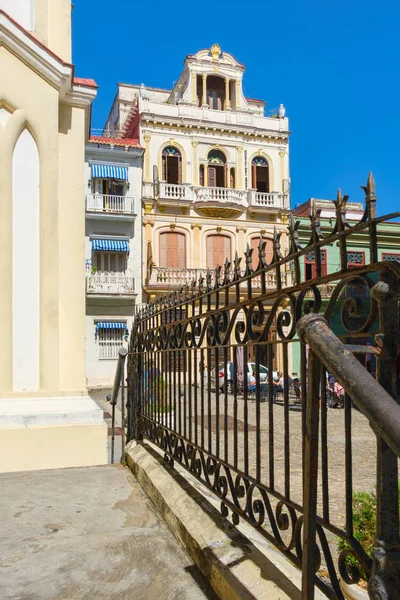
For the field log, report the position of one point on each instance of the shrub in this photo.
(364, 527)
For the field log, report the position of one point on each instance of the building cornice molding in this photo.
(45, 63)
(175, 127)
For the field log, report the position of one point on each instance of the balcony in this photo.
(110, 284)
(107, 205)
(219, 202)
(264, 201)
(175, 278)
(175, 194)
(216, 201)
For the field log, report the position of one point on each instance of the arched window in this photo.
(217, 170)
(260, 174)
(269, 251)
(172, 165)
(218, 249)
(172, 250)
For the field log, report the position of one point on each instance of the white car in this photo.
(251, 380)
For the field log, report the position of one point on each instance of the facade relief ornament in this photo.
(215, 51)
(196, 226)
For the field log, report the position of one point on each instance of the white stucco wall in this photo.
(25, 265)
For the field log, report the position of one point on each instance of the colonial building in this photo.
(46, 418)
(113, 250)
(216, 169)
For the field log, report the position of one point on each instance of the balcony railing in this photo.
(107, 203)
(180, 276)
(220, 195)
(175, 191)
(265, 199)
(110, 283)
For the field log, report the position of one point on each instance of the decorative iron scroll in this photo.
(181, 343)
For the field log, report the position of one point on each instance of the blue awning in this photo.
(110, 172)
(110, 245)
(112, 325)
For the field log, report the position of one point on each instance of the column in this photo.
(196, 253)
(147, 165)
(239, 167)
(227, 93)
(194, 88)
(195, 165)
(204, 89)
(238, 94)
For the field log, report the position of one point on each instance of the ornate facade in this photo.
(215, 173)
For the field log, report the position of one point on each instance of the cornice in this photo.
(212, 130)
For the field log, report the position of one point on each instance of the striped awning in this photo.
(110, 245)
(112, 325)
(110, 172)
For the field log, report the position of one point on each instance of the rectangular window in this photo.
(310, 267)
(110, 262)
(110, 341)
(355, 259)
(389, 256)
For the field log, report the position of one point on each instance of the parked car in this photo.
(251, 380)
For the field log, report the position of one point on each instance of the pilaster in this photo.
(239, 167)
(147, 162)
(196, 228)
(195, 165)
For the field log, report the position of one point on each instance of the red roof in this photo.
(98, 139)
(254, 100)
(85, 82)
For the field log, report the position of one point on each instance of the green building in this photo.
(351, 308)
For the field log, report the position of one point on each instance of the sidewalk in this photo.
(85, 534)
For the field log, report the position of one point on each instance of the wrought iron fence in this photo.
(203, 387)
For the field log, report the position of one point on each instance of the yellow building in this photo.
(46, 418)
(216, 169)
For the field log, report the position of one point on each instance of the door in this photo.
(172, 250)
(218, 249)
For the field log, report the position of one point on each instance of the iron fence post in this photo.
(384, 582)
(310, 550)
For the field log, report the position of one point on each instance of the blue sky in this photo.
(334, 64)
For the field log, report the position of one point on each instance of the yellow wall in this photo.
(53, 26)
(59, 134)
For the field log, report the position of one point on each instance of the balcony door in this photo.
(260, 174)
(172, 165)
(173, 250)
(218, 250)
(217, 170)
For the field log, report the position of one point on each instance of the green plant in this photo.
(364, 528)
(93, 270)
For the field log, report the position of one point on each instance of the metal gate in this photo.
(268, 445)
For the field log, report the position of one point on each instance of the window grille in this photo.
(110, 341)
(355, 259)
(390, 257)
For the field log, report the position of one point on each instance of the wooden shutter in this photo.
(163, 249)
(164, 168)
(226, 249)
(254, 242)
(201, 178)
(181, 250)
(218, 249)
(232, 179)
(180, 170)
(210, 251)
(212, 177)
(225, 176)
(254, 177)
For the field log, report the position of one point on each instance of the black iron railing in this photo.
(203, 385)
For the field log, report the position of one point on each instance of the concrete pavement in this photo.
(88, 534)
